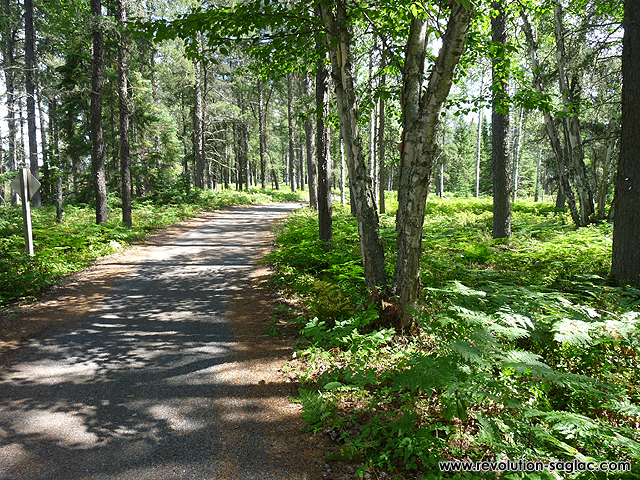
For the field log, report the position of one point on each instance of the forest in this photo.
(465, 282)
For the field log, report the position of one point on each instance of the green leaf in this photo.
(332, 386)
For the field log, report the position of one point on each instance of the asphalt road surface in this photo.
(143, 387)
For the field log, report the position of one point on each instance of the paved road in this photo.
(143, 387)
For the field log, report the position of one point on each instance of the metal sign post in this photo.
(27, 185)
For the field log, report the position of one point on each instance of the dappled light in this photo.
(151, 383)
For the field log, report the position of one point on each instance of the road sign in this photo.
(32, 184)
(27, 185)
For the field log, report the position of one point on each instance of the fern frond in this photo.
(523, 358)
(575, 332)
(468, 351)
(625, 408)
(429, 372)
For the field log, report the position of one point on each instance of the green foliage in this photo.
(522, 349)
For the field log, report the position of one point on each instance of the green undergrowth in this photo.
(64, 248)
(521, 349)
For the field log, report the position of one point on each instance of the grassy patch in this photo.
(64, 248)
(522, 349)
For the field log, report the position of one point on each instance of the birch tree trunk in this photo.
(97, 157)
(517, 143)
(43, 129)
(382, 177)
(292, 151)
(198, 128)
(8, 63)
(343, 173)
(603, 191)
(245, 148)
(571, 123)
(564, 187)
(538, 172)
(340, 50)
(301, 177)
(30, 86)
(420, 118)
(479, 142)
(125, 156)
(372, 125)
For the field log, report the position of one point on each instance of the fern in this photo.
(328, 303)
(428, 373)
(574, 331)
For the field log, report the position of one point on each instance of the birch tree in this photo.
(125, 156)
(9, 66)
(571, 121)
(338, 27)
(420, 117)
(30, 86)
(97, 156)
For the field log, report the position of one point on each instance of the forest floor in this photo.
(256, 364)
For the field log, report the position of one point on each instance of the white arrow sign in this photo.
(32, 185)
(27, 185)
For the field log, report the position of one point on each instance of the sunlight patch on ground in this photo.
(67, 429)
(51, 372)
(180, 414)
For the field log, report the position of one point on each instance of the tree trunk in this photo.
(565, 191)
(9, 75)
(517, 143)
(420, 118)
(245, 149)
(198, 129)
(343, 172)
(538, 172)
(43, 129)
(125, 157)
(311, 154)
(54, 150)
(2, 182)
(323, 148)
(340, 50)
(625, 264)
(603, 191)
(30, 86)
(381, 143)
(22, 159)
(500, 127)
(237, 147)
(262, 137)
(97, 157)
(292, 152)
(372, 126)
(479, 142)
(301, 175)
(245, 146)
(59, 198)
(571, 123)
